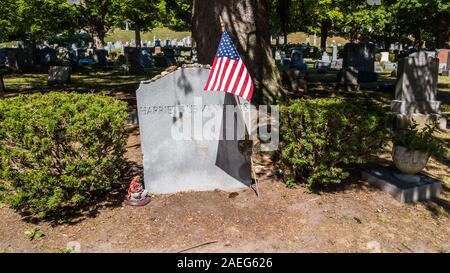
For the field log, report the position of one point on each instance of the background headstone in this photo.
(416, 91)
(171, 165)
(100, 57)
(384, 57)
(59, 75)
(443, 59)
(132, 61)
(359, 62)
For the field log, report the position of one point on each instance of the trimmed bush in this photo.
(59, 150)
(322, 137)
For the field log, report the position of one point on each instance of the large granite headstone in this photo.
(178, 156)
(137, 59)
(58, 75)
(47, 56)
(416, 90)
(358, 64)
(297, 62)
(18, 59)
(100, 57)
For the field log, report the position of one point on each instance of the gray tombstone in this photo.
(133, 64)
(58, 75)
(448, 64)
(100, 57)
(177, 155)
(416, 91)
(358, 64)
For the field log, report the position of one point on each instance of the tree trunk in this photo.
(99, 40)
(137, 35)
(248, 25)
(2, 86)
(324, 28)
(442, 34)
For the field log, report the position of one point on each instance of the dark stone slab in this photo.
(406, 192)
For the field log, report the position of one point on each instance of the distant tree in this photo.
(426, 20)
(97, 17)
(142, 15)
(31, 21)
(179, 14)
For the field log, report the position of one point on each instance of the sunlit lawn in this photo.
(89, 80)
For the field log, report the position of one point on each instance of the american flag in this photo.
(228, 72)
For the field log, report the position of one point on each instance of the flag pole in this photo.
(238, 102)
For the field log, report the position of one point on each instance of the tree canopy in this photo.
(421, 22)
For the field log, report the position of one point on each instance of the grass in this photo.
(107, 81)
(166, 33)
(159, 33)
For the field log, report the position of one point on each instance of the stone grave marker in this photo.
(443, 59)
(182, 129)
(140, 58)
(297, 61)
(384, 57)
(58, 75)
(447, 71)
(416, 91)
(324, 64)
(358, 64)
(334, 55)
(100, 57)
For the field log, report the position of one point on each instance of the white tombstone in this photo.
(384, 57)
(334, 56)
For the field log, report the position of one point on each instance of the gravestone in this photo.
(169, 55)
(358, 64)
(416, 91)
(384, 57)
(47, 56)
(58, 75)
(3, 54)
(18, 59)
(297, 61)
(324, 64)
(100, 57)
(145, 57)
(447, 71)
(443, 60)
(132, 61)
(2, 86)
(177, 156)
(334, 55)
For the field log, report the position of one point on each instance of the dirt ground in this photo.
(353, 218)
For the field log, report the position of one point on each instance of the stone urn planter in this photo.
(409, 162)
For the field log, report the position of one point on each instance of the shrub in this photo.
(59, 150)
(322, 137)
(377, 57)
(423, 140)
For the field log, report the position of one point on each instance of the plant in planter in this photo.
(413, 148)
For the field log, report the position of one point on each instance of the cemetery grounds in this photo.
(352, 217)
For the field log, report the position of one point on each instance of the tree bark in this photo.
(2, 86)
(442, 34)
(98, 40)
(137, 39)
(248, 25)
(324, 28)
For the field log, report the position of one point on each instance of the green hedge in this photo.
(59, 150)
(322, 137)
